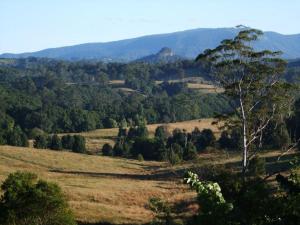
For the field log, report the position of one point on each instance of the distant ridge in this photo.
(186, 44)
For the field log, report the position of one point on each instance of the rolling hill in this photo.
(186, 44)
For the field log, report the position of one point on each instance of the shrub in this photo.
(172, 157)
(79, 144)
(149, 148)
(257, 166)
(67, 141)
(276, 136)
(16, 137)
(179, 137)
(231, 140)
(190, 152)
(110, 123)
(225, 141)
(161, 132)
(207, 138)
(213, 205)
(55, 143)
(29, 201)
(162, 211)
(40, 141)
(138, 132)
(107, 150)
(140, 157)
(122, 132)
(121, 148)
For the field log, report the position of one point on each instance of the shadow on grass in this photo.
(159, 176)
(104, 223)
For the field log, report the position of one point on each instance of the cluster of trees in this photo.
(76, 143)
(181, 145)
(11, 134)
(175, 147)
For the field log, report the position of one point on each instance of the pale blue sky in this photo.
(30, 25)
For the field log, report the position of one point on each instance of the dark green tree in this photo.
(67, 141)
(27, 201)
(107, 150)
(79, 144)
(16, 137)
(190, 152)
(205, 139)
(161, 132)
(41, 141)
(55, 142)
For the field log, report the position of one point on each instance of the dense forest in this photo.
(58, 96)
(61, 96)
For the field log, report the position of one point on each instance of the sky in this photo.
(31, 25)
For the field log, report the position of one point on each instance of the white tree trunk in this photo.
(245, 143)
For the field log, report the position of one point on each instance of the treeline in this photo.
(180, 145)
(76, 143)
(86, 71)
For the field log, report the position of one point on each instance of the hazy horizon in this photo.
(33, 25)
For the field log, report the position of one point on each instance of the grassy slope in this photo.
(117, 190)
(114, 189)
(98, 188)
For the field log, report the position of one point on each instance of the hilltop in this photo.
(165, 55)
(186, 44)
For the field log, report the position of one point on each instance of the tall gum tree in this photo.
(253, 83)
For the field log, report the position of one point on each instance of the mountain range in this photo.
(186, 44)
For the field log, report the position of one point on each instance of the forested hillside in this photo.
(58, 96)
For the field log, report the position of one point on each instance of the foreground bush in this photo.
(29, 201)
(249, 200)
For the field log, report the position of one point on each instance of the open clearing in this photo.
(195, 83)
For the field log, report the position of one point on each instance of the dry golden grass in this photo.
(115, 190)
(128, 90)
(205, 88)
(187, 125)
(98, 188)
(195, 83)
(117, 82)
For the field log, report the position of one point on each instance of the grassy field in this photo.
(99, 188)
(115, 190)
(205, 88)
(97, 138)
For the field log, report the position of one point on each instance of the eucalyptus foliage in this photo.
(253, 83)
